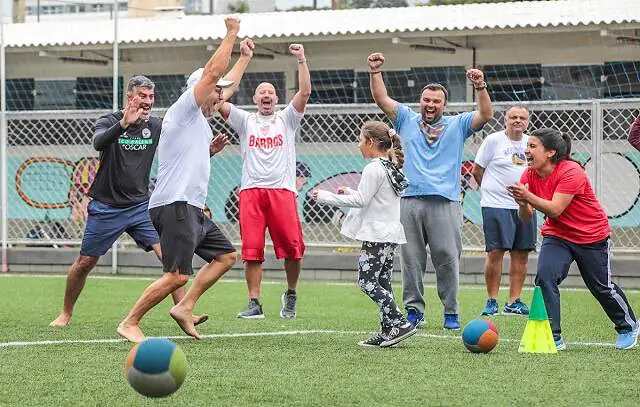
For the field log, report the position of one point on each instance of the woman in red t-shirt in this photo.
(576, 228)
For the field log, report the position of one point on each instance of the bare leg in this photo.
(129, 328)
(293, 268)
(517, 273)
(493, 272)
(182, 312)
(179, 293)
(76, 277)
(253, 275)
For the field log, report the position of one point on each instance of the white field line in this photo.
(261, 334)
(269, 282)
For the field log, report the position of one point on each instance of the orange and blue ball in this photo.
(156, 367)
(480, 336)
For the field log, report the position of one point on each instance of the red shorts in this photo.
(276, 209)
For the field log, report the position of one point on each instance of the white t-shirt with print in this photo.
(183, 155)
(504, 162)
(268, 147)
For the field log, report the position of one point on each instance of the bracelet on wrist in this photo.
(302, 61)
(374, 72)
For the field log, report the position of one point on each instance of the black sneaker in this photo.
(289, 300)
(397, 334)
(373, 342)
(253, 310)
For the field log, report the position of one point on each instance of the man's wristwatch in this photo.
(482, 86)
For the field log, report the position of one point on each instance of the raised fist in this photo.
(475, 76)
(246, 47)
(375, 60)
(297, 50)
(232, 23)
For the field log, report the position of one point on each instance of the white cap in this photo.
(197, 74)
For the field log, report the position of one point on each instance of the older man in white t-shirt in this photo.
(268, 188)
(177, 204)
(500, 161)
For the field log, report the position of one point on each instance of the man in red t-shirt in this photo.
(576, 228)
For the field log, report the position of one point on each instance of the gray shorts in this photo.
(185, 231)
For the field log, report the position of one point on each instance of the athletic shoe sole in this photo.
(261, 316)
(509, 314)
(394, 341)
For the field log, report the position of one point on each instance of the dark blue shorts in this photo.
(106, 223)
(503, 230)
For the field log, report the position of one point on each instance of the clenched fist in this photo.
(246, 47)
(375, 60)
(475, 76)
(297, 50)
(232, 24)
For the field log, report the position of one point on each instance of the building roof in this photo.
(484, 16)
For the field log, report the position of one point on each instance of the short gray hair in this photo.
(140, 81)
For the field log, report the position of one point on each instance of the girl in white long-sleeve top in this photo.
(375, 220)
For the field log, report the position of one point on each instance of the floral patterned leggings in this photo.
(375, 266)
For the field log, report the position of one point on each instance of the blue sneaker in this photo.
(451, 322)
(516, 308)
(491, 308)
(627, 339)
(560, 345)
(415, 317)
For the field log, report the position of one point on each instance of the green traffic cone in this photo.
(538, 310)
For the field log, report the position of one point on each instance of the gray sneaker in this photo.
(253, 310)
(289, 301)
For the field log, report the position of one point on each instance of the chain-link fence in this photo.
(51, 164)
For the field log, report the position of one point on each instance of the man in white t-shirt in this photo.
(500, 161)
(268, 188)
(177, 204)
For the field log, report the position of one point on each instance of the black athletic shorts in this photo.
(185, 231)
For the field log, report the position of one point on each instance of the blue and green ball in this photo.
(156, 367)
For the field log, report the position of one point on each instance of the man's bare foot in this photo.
(185, 320)
(130, 332)
(62, 320)
(199, 319)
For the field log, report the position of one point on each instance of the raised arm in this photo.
(217, 64)
(634, 134)
(105, 133)
(235, 75)
(484, 112)
(301, 97)
(378, 90)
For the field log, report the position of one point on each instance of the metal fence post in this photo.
(3, 150)
(596, 143)
(116, 66)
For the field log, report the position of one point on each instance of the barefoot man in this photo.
(177, 204)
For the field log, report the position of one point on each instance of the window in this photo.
(571, 82)
(514, 82)
(96, 93)
(54, 94)
(621, 79)
(333, 86)
(168, 89)
(20, 94)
